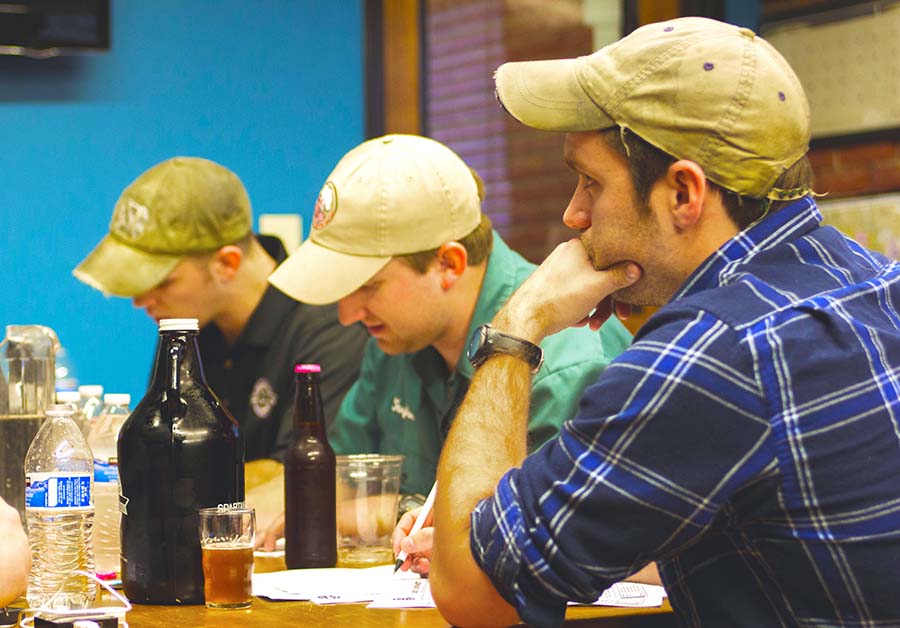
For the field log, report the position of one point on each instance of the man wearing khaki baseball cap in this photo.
(399, 241)
(180, 244)
(747, 440)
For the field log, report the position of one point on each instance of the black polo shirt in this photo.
(254, 378)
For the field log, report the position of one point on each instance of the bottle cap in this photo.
(179, 324)
(60, 409)
(91, 390)
(307, 368)
(119, 399)
(68, 396)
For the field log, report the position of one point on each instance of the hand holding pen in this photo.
(410, 524)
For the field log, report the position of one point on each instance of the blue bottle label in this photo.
(57, 490)
(105, 471)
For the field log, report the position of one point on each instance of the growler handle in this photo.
(173, 381)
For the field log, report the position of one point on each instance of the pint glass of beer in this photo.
(226, 540)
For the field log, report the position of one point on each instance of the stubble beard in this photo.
(644, 292)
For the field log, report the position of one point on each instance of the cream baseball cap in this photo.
(393, 195)
(696, 88)
(182, 206)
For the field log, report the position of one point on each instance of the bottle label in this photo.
(57, 490)
(105, 471)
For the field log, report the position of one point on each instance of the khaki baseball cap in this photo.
(182, 206)
(389, 196)
(696, 88)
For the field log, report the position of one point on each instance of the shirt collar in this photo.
(497, 286)
(273, 246)
(788, 223)
(266, 320)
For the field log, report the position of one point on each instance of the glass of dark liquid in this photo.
(226, 543)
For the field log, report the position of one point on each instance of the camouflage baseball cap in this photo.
(182, 206)
(696, 88)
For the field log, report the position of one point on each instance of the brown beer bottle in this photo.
(310, 531)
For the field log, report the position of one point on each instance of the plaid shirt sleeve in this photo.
(667, 434)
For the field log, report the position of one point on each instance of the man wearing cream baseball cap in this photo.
(747, 440)
(399, 241)
(180, 244)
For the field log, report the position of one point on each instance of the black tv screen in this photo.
(47, 28)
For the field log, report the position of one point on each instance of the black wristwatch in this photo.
(487, 341)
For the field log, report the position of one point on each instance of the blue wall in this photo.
(273, 90)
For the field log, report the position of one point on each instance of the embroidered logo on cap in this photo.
(326, 206)
(263, 398)
(130, 219)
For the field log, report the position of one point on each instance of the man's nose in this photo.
(143, 299)
(576, 216)
(350, 310)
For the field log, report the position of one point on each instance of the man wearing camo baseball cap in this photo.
(747, 440)
(180, 244)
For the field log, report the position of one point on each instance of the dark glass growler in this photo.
(310, 530)
(179, 451)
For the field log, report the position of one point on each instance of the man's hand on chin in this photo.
(565, 291)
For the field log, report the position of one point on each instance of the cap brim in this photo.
(116, 268)
(547, 95)
(318, 275)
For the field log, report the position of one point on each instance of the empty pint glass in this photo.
(368, 488)
(226, 542)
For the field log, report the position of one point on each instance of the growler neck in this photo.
(177, 358)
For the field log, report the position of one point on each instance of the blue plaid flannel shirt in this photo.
(748, 441)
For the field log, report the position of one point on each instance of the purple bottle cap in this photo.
(307, 368)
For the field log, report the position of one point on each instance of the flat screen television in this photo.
(49, 28)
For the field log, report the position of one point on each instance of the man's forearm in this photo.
(489, 433)
(488, 437)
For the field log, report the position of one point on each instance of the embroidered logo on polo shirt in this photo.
(404, 411)
(263, 398)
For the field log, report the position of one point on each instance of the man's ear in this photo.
(226, 261)
(452, 260)
(687, 189)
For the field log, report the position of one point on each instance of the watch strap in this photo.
(498, 342)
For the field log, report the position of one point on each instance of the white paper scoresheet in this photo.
(632, 594)
(344, 586)
(378, 586)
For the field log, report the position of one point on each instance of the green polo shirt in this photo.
(404, 404)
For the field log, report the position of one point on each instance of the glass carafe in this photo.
(27, 388)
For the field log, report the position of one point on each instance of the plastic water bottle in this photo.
(66, 373)
(73, 397)
(102, 439)
(59, 511)
(91, 403)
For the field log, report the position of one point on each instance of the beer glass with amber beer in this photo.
(226, 541)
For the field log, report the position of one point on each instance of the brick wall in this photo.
(871, 166)
(527, 184)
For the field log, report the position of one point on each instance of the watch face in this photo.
(475, 343)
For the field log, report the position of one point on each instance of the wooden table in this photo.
(266, 613)
(264, 481)
(264, 491)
